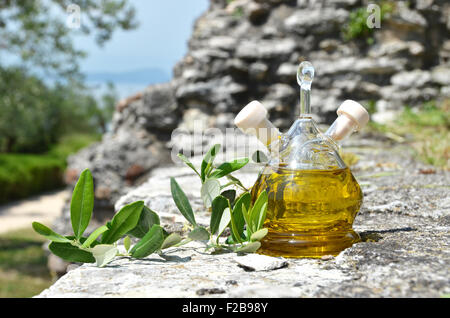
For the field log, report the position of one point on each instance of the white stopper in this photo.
(355, 111)
(252, 120)
(352, 117)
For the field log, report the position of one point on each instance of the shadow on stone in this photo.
(375, 236)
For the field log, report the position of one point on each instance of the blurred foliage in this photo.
(34, 115)
(425, 129)
(22, 175)
(23, 264)
(357, 26)
(37, 34)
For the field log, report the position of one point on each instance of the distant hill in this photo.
(145, 76)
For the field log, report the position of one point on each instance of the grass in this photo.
(23, 175)
(426, 130)
(23, 264)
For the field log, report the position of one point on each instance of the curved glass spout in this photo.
(305, 76)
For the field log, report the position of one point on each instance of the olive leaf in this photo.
(150, 243)
(224, 222)
(94, 235)
(127, 243)
(82, 203)
(72, 253)
(219, 204)
(104, 253)
(182, 202)
(199, 234)
(171, 240)
(49, 233)
(249, 248)
(209, 191)
(259, 235)
(208, 160)
(228, 167)
(230, 195)
(237, 217)
(257, 214)
(188, 163)
(147, 219)
(124, 221)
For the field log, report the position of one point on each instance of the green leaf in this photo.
(228, 167)
(262, 217)
(104, 254)
(150, 243)
(259, 157)
(182, 201)
(238, 221)
(209, 191)
(48, 233)
(249, 248)
(188, 163)
(171, 240)
(71, 253)
(147, 219)
(82, 203)
(230, 195)
(124, 221)
(259, 235)
(224, 222)
(255, 213)
(127, 243)
(219, 204)
(94, 235)
(208, 161)
(199, 234)
(247, 220)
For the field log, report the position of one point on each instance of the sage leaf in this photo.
(219, 204)
(71, 253)
(199, 234)
(208, 160)
(249, 248)
(124, 221)
(49, 233)
(150, 243)
(147, 219)
(104, 254)
(209, 191)
(82, 203)
(228, 167)
(257, 209)
(259, 235)
(188, 163)
(94, 235)
(171, 240)
(127, 243)
(182, 201)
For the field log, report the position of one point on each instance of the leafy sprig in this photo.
(137, 220)
(244, 219)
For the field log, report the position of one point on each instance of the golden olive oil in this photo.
(310, 212)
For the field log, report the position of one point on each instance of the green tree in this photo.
(36, 32)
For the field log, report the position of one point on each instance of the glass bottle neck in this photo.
(305, 104)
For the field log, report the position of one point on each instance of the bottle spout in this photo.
(252, 120)
(305, 76)
(352, 117)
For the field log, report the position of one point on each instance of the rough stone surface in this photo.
(404, 225)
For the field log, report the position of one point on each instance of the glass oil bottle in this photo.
(313, 196)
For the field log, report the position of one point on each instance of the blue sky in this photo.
(160, 40)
